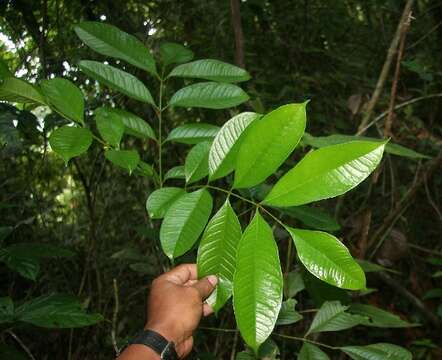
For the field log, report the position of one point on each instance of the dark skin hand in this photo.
(176, 305)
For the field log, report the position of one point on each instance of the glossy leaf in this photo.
(209, 95)
(65, 97)
(16, 90)
(380, 351)
(134, 125)
(311, 352)
(184, 222)
(224, 150)
(268, 143)
(312, 217)
(257, 284)
(332, 317)
(379, 318)
(160, 201)
(69, 141)
(326, 173)
(6, 309)
(217, 252)
(111, 128)
(193, 133)
(213, 70)
(110, 41)
(177, 172)
(196, 166)
(126, 159)
(172, 53)
(288, 315)
(328, 259)
(117, 79)
(391, 148)
(56, 311)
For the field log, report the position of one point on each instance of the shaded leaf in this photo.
(65, 97)
(257, 285)
(326, 173)
(209, 95)
(160, 201)
(380, 351)
(193, 133)
(4, 70)
(224, 150)
(11, 353)
(177, 172)
(311, 352)
(433, 294)
(288, 315)
(184, 222)
(378, 317)
(328, 259)
(293, 283)
(126, 159)
(117, 79)
(6, 309)
(16, 90)
(172, 53)
(69, 141)
(213, 70)
(368, 267)
(312, 217)
(144, 169)
(111, 128)
(268, 143)
(196, 166)
(110, 41)
(217, 252)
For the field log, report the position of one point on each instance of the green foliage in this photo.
(172, 53)
(193, 133)
(70, 141)
(160, 201)
(196, 166)
(377, 352)
(125, 159)
(16, 90)
(312, 352)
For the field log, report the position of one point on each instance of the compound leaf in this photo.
(224, 150)
(209, 95)
(117, 79)
(312, 217)
(267, 144)
(69, 141)
(196, 166)
(108, 40)
(257, 284)
(184, 222)
(213, 70)
(160, 201)
(326, 173)
(217, 252)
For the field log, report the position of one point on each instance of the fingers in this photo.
(181, 274)
(207, 309)
(205, 286)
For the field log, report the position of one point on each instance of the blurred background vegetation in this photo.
(331, 52)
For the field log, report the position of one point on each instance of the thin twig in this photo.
(21, 343)
(115, 317)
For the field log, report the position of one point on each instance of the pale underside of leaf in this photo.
(193, 133)
(380, 351)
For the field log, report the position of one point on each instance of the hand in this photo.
(176, 305)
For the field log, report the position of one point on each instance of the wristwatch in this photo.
(155, 341)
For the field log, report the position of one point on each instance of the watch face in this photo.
(169, 352)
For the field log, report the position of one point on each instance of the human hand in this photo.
(176, 305)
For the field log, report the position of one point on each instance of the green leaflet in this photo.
(184, 222)
(160, 201)
(380, 351)
(16, 90)
(328, 259)
(196, 167)
(224, 150)
(332, 317)
(65, 97)
(193, 133)
(209, 95)
(69, 141)
(395, 149)
(6, 309)
(172, 53)
(379, 318)
(257, 284)
(288, 315)
(268, 143)
(326, 173)
(56, 312)
(312, 217)
(110, 41)
(293, 283)
(5, 72)
(213, 70)
(177, 172)
(311, 352)
(125, 159)
(117, 79)
(111, 128)
(217, 252)
(133, 125)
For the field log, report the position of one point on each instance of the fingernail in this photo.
(213, 280)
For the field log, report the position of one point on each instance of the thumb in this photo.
(206, 285)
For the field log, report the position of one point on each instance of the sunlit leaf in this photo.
(196, 166)
(160, 201)
(193, 133)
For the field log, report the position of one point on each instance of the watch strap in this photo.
(155, 341)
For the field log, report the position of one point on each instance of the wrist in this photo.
(169, 332)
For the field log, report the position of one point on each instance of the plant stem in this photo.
(160, 125)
